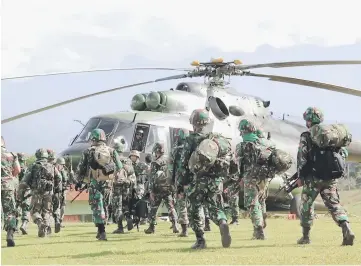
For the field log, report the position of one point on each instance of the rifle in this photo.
(290, 184)
(81, 191)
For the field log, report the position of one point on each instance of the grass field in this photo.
(76, 244)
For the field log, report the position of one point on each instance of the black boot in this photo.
(184, 232)
(150, 230)
(225, 235)
(102, 235)
(57, 228)
(258, 233)
(348, 235)
(10, 237)
(48, 230)
(234, 221)
(42, 228)
(120, 229)
(130, 225)
(264, 220)
(24, 227)
(175, 227)
(98, 233)
(200, 242)
(207, 226)
(305, 239)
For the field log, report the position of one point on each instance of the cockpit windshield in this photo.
(107, 125)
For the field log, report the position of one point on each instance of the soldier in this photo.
(24, 205)
(138, 143)
(142, 170)
(60, 163)
(232, 189)
(98, 165)
(122, 191)
(160, 188)
(44, 180)
(10, 168)
(254, 174)
(174, 165)
(313, 185)
(205, 188)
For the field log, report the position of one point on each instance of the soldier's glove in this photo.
(78, 186)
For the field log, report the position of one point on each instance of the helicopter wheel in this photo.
(295, 207)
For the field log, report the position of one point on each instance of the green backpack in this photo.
(214, 151)
(334, 135)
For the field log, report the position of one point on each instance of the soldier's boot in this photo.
(258, 233)
(200, 242)
(175, 227)
(348, 235)
(234, 221)
(98, 233)
(207, 226)
(102, 235)
(48, 230)
(305, 239)
(225, 235)
(120, 229)
(150, 230)
(24, 227)
(61, 224)
(264, 220)
(10, 237)
(57, 228)
(130, 225)
(41, 228)
(143, 221)
(184, 232)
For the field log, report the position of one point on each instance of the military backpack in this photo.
(102, 167)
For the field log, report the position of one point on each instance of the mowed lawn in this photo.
(76, 244)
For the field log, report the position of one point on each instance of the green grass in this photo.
(76, 244)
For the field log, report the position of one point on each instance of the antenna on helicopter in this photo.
(79, 122)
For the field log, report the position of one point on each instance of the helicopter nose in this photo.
(138, 102)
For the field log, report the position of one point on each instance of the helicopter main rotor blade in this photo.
(88, 96)
(300, 63)
(308, 83)
(96, 70)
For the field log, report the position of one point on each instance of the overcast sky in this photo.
(46, 36)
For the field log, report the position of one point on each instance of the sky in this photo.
(47, 36)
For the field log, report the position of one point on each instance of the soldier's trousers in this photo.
(252, 191)
(181, 206)
(42, 207)
(233, 204)
(8, 205)
(329, 195)
(56, 207)
(154, 205)
(25, 209)
(63, 205)
(107, 201)
(205, 190)
(96, 202)
(120, 203)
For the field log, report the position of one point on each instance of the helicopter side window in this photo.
(124, 131)
(85, 133)
(158, 134)
(140, 137)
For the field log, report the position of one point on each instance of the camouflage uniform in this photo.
(232, 189)
(142, 171)
(175, 164)
(10, 168)
(65, 179)
(138, 143)
(122, 191)
(86, 168)
(254, 175)
(160, 188)
(312, 186)
(24, 205)
(44, 180)
(205, 188)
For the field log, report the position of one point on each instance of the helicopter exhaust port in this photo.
(218, 107)
(139, 102)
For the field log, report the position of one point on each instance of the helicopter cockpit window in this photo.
(140, 137)
(124, 131)
(108, 126)
(157, 134)
(85, 133)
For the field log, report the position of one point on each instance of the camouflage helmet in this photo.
(41, 153)
(313, 115)
(199, 118)
(51, 154)
(98, 134)
(246, 126)
(158, 147)
(259, 133)
(134, 153)
(2, 142)
(60, 160)
(119, 146)
(21, 157)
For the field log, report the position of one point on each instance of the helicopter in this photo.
(158, 114)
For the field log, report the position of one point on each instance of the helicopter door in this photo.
(158, 134)
(140, 137)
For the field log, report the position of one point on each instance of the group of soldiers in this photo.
(194, 182)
